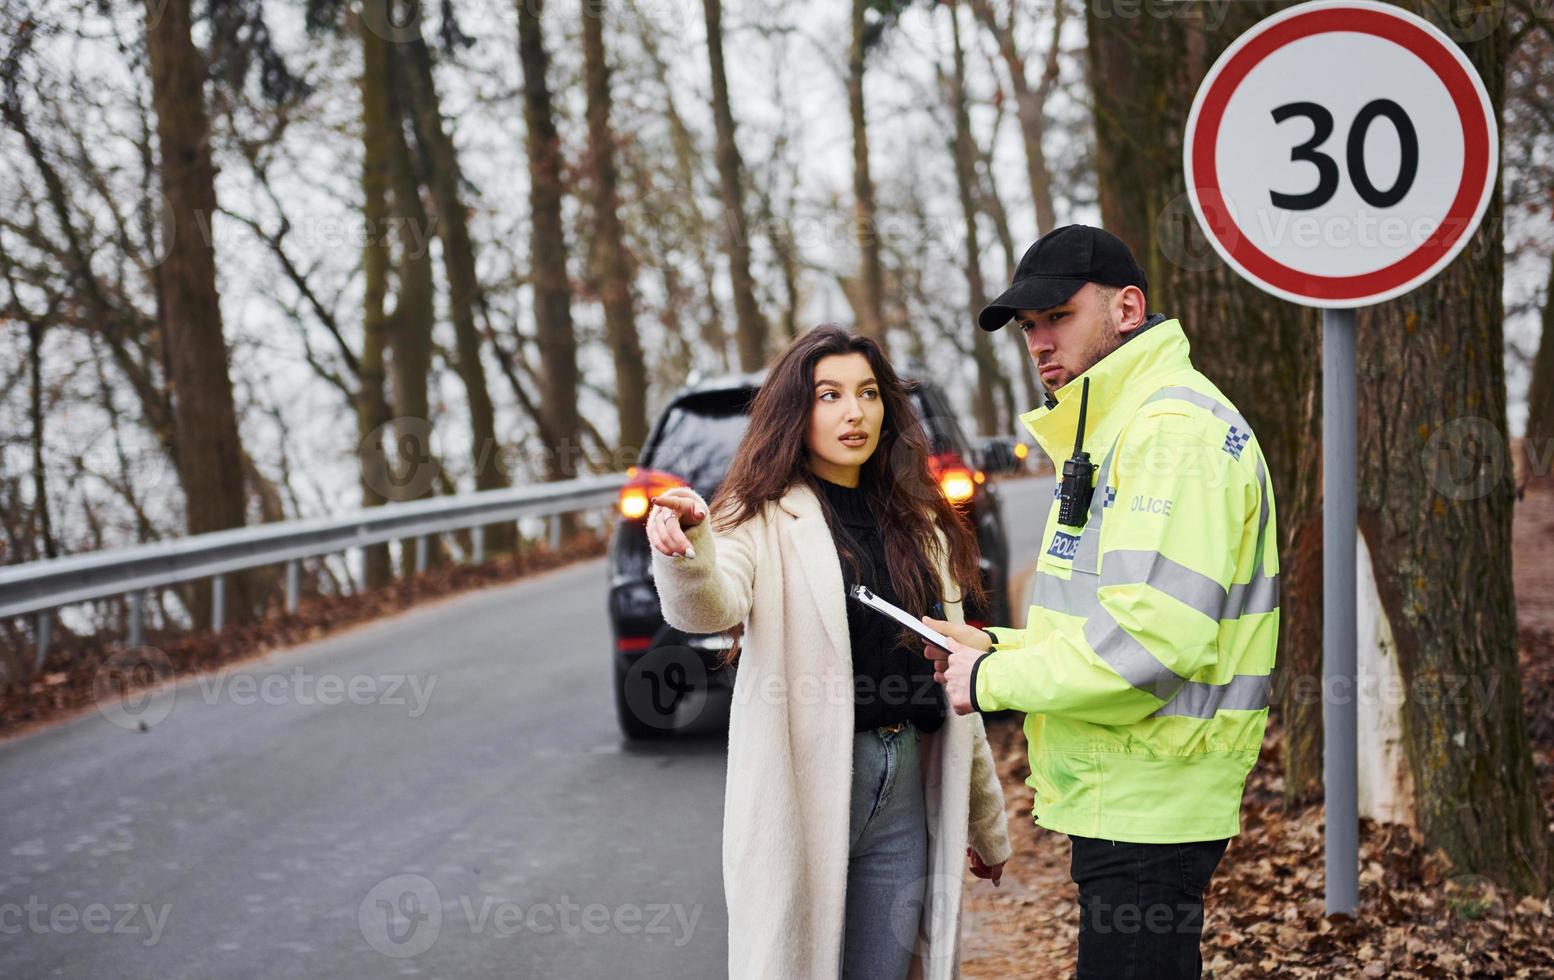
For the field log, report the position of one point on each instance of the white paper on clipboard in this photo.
(900, 615)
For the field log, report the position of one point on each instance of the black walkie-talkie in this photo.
(1075, 491)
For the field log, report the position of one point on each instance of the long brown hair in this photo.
(901, 491)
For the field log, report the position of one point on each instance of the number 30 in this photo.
(1327, 168)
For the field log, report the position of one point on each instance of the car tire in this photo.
(640, 718)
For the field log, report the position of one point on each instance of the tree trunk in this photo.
(1539, 442)
(42, 527)
(750, 325)
(613, 268)
(548, 253)
(458, 253)
(371, 407)
(414, 316)
(209, 449)
(871, 278)
(686, 154)
(963, 150)
(1264, 354)
(1435, 506)
(1030, 103)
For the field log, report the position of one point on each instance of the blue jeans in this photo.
(887, 863)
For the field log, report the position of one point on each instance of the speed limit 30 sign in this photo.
(1340, 153)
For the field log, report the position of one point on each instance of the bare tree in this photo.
(613, 269)
(1540, 393)
(871, 277)
(209, 449)
(1030, 101)
(750, 330)
(372, 414)
(679, 220)
(444, 178)
(964, 153)
(548, 252)
(1528, 182)
(414, 316)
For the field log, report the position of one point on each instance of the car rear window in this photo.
(698, 437)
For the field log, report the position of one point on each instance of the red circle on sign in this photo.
(1459, 216)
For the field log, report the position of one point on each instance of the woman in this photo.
(851, 790)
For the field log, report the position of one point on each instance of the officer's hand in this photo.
(992, 872)
(673, 511)
(961, 632)
(952, 668)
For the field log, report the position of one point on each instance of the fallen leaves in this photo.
(1264, 913)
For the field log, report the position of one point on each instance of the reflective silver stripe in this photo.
(1114, 645)
(1244, 692)
(1192, 589)
(1221, 412)
(1140, 668)
(1071, 596)
(1262, 516)
(1123, 653)
(1261, 595)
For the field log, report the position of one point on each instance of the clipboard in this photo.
(863, 595)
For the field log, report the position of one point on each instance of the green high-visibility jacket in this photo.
(1143, 668)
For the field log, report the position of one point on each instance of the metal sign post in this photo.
(1338, 154)
(1340, 706)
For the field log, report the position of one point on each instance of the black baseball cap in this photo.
(1056, 266)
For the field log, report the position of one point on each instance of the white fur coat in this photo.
(790, 749)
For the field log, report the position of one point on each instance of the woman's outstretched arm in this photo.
(705, 580)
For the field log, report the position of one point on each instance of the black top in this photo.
(891, 681)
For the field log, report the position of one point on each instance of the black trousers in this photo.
(1141, 907)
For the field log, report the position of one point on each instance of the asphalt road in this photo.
(441, 794)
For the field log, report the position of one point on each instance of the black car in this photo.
(692, 444)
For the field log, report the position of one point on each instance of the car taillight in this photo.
(957, 481)
(640, 489)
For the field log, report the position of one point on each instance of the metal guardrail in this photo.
(39, 587)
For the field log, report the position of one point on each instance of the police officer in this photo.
(1143, 668)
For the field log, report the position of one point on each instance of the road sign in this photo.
(1340, 153)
